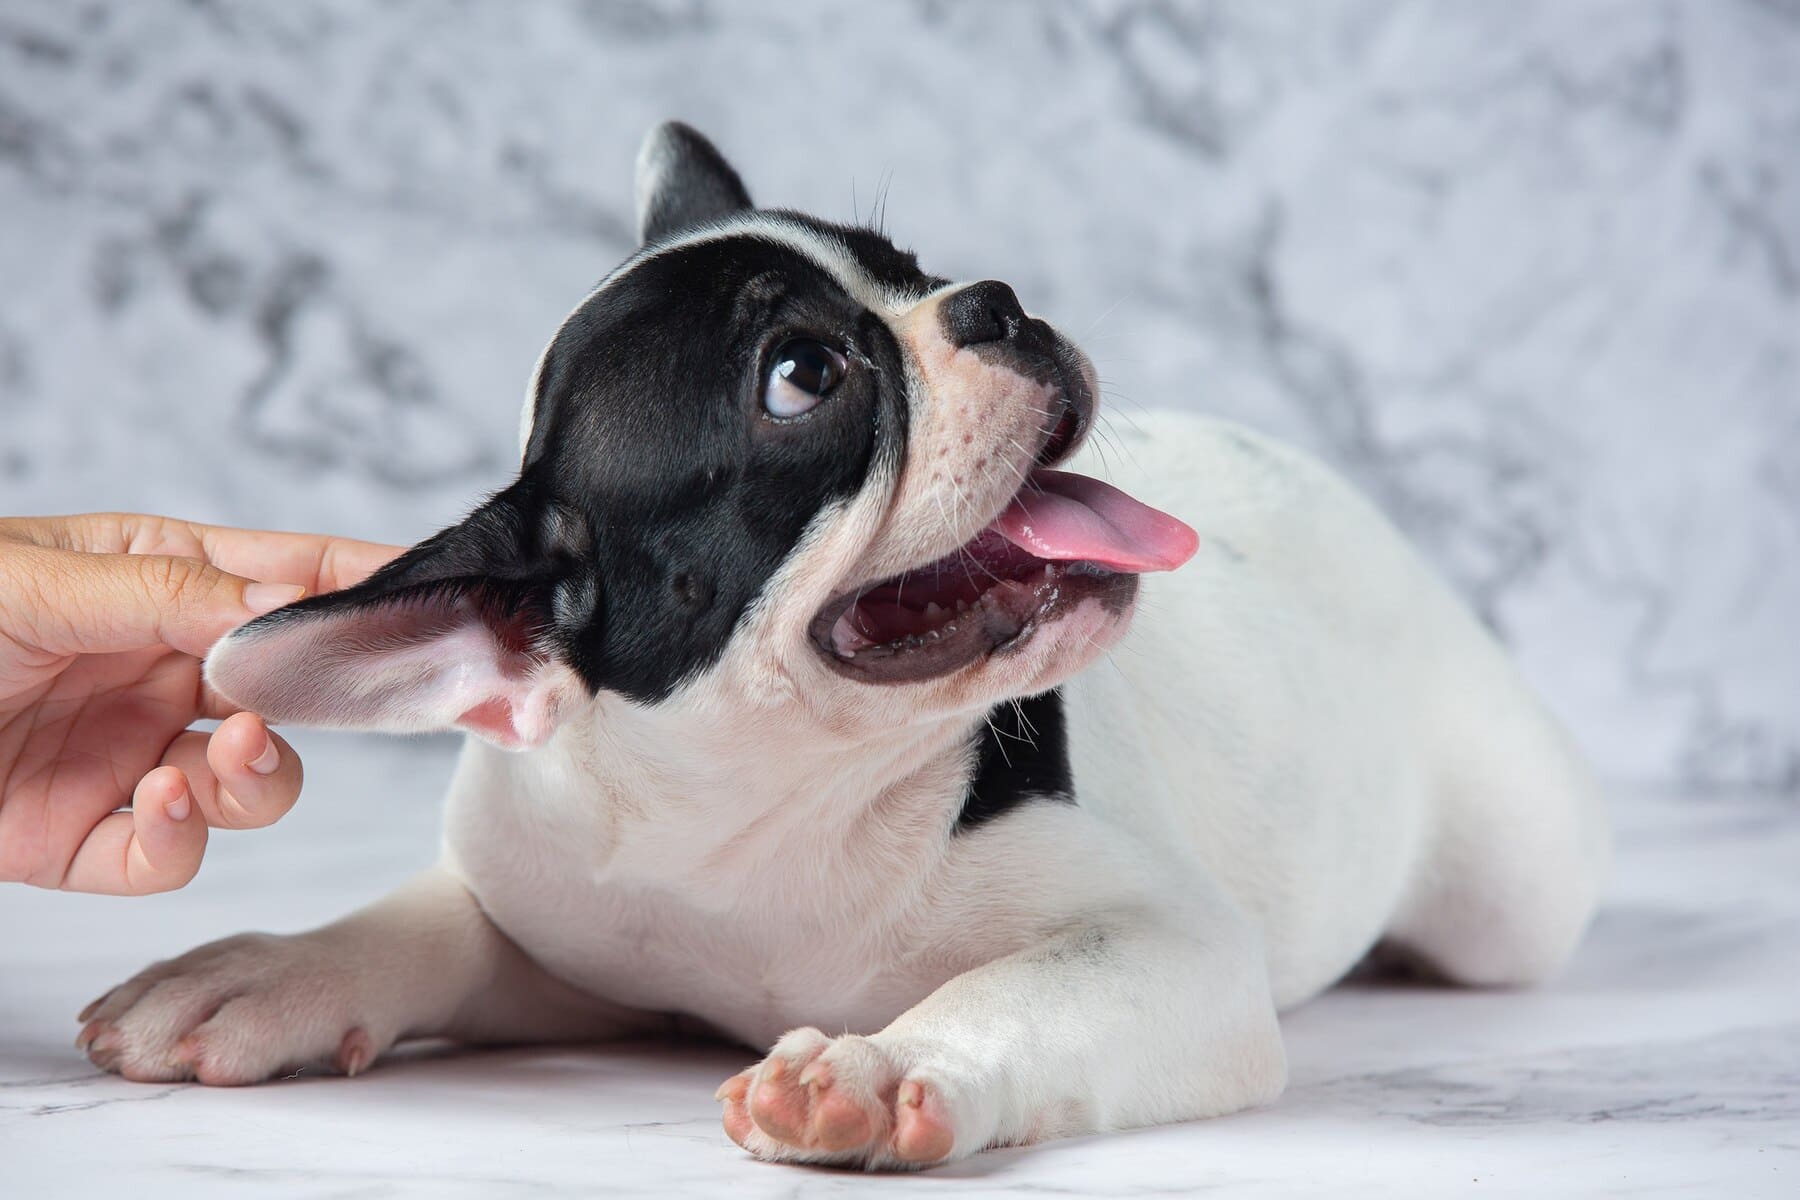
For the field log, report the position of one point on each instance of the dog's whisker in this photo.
(1095, 323)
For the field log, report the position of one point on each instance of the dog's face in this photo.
(768, 460)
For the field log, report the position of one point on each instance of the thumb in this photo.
(75, 603)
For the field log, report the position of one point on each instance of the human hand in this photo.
(104, 619)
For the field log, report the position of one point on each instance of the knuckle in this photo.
(168, 877)
(178, 581)
(163, 575)
(244, 812)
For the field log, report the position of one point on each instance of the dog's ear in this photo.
(682, 181)
(458, 632)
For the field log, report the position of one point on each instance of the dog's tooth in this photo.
(846, 639)
(933, 611)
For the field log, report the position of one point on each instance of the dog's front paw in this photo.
(845, 1100)
(233, 1012)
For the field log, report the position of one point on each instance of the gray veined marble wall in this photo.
(1530, 272)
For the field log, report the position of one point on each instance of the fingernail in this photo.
(270, 758)
(267, 597)
(179, 808)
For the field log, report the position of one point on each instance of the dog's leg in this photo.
(1111, 1023)
(424, 962)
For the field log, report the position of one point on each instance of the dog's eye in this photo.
(803, 373)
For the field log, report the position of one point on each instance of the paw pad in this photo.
(836, 1100)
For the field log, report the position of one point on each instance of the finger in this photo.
(242, 775)
(316, 562)
(64, 602)
(107, 533)
(156, 847)
(212, 706)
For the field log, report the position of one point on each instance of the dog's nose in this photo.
(982, 312)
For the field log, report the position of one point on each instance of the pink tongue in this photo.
(1065, 516)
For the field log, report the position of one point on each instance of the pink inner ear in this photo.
(493, 720)
(415, 664)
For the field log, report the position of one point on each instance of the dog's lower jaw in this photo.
(1004, 617)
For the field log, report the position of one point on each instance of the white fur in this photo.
(820, 248)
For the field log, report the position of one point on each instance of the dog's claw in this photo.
(355, 1053)
(182, 1055)
(921, 1135)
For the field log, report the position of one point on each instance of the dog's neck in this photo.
(747, 783)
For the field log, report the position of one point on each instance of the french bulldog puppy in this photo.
(814, 704)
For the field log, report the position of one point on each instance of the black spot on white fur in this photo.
(1021, 755)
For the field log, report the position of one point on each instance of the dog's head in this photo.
(768, 460)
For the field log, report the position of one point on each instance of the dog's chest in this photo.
(751, 935)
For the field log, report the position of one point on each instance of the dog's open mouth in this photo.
(1063, 539)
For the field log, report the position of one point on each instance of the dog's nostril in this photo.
(982, 312)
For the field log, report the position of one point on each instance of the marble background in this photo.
(1530, 272)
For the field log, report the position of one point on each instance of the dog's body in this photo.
(1040, 900)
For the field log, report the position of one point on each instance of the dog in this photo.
(810, 692)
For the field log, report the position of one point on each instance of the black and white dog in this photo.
(810, 695)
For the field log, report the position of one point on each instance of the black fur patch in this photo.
(652, 444)
(696, 185)
(1021, 755)
(657, 497)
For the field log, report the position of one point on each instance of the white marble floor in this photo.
(1666, 1061)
